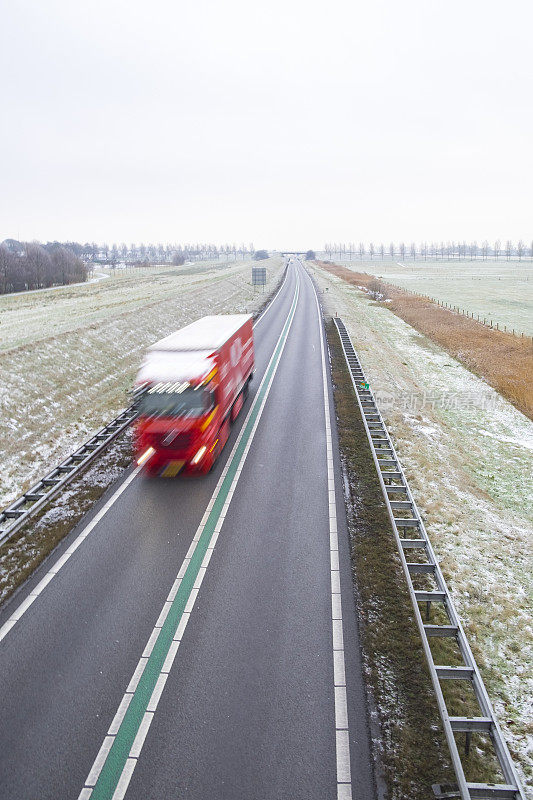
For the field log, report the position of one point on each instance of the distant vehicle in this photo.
(195, 382)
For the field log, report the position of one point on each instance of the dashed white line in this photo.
(156, 694)
(99, 760)
(117, 721)
(124, 781)
(344, 784)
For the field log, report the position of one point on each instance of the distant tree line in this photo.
(137, 254)
(30, 265)
(448, 251)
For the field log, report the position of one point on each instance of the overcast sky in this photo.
(284, 123)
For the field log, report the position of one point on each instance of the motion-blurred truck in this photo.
(190, 388)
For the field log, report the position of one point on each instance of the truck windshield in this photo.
(189, 403)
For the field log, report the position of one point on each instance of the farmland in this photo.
(501, 291)
(467, 455)
(69, 356)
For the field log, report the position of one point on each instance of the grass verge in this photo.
(503, 360)
(413, 753)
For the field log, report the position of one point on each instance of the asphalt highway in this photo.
(197, 637)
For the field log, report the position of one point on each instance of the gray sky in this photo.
(286, 123)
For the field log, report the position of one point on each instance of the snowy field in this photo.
(467, 454)
(497, 290)
(68, 357)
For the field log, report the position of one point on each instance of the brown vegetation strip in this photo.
(503, 360)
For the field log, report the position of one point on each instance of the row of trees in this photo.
(435, 250)
(29, 265)
(32, 265)
(158, 253)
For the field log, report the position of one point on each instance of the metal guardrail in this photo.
(14, 516)
(413, 542)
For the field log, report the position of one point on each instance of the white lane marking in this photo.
(150, 643)
(99, 760)
(344, 791)
(147, 719)
(341, 707)
(173, 592)
(136, 677)
(343, 759)
(124, 781)
(339, 673)
(158, 689)
(344, 784)
(163, 615)
(53, 571)
(138, 742)
(171, 655)
(269, 306)
(178, 636)
(338, 640)
(119, 716)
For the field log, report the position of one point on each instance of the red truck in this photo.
(191, 386)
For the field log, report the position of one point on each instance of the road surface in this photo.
(197, 638)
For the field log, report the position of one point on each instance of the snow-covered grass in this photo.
(498, 290)
(27, 317)
(467, 455)
(68, 357)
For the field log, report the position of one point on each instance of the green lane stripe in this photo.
(119, 752)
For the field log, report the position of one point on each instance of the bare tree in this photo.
(6, 270)
(402, 250)
(361, 250)
(38, 266)
(413, 251)
(497, 249)
(520, 247)
(508, 249)
(382, 251)
(371, 249)
(391, 250)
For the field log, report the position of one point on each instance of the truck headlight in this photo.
(199, 455)
(145, 456)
